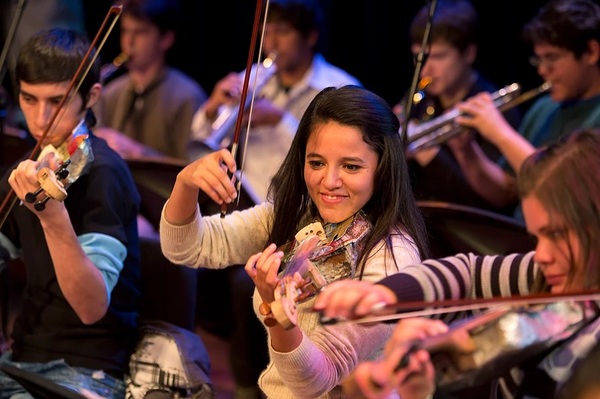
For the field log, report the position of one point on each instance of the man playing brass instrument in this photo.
(565, 35)
(448, 77)
(292, 32)
(152, 105)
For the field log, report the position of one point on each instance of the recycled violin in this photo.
(77, 155)
(485, 346)
(312, 261)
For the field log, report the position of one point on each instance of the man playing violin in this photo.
(559, 187)
(78, 320)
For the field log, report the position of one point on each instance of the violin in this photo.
(512, 331)
(312, 261)
(485, 347)
(76, 154)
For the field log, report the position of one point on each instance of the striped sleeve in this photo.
(464, 276)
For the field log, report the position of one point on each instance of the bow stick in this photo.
(244, 93)
(459, 305)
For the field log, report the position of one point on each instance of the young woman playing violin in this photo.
(345, 165)
(78, 324)
(559, 187)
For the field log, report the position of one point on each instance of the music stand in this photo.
(39, 386)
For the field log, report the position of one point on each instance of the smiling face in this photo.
(557, 248)
(339, 171)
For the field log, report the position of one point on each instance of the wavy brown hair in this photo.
(565, 178)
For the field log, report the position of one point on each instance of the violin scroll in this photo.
(50, 183)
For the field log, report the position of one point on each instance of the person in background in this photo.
(35, 15)
(559, 187)
(152, 103)
(79, 311)
(293, 38)
(565, 35)
(345, 175)
(449, 76)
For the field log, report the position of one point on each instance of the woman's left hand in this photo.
(263, 268)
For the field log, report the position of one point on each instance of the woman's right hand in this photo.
(415, 378)
(210, 174)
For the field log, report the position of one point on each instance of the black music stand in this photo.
(39, 386)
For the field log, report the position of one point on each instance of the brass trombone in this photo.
(440, 129)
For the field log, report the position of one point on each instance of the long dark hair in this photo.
(392, 205)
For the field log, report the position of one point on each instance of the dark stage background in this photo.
(368, 38)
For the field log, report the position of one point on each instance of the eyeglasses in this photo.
(547, 60)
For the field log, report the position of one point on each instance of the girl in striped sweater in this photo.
(559, 187)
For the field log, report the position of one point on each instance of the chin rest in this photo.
(39, 386)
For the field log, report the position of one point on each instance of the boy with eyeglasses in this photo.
(565, 35)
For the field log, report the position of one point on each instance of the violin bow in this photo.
(407, 309)
(113, 13)
(243, 96)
